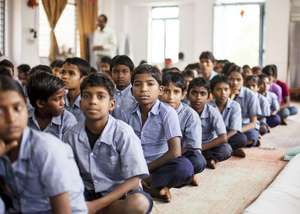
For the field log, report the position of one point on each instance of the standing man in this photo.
(104, 41)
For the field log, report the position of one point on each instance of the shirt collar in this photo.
(204, 113)
(106, 135)
(242, 92)
(26, 145)
(154, 110)
(76, 103)
(179, 109)
(125, 90)
(55, 120)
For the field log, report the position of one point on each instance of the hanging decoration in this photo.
(32, 3)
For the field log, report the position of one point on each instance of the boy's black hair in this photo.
(122, 60)
(193, 66)
(147, 69)
(98, 80)
(105, 59)
(83, 65)
(24, 68)
(40, 69)
(173, 69)
(218, 79)
(268, 70)
(207, 55)
(93, 70)
(9, 84)
(7, 63)
(246, 67)
(4, 71)
(261, 77)
(175, 78)
(189, 73)
(231, 67)
(41, 86)
(199, 82)
(104, 17)
(253, 78)
(275, 71)
(56, 64)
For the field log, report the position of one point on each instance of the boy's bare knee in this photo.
(137, 203)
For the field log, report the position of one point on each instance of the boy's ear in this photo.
(40, 103)
(112, 105)
(82, 78)
(184, 94)
(161, 90)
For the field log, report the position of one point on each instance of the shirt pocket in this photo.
(108, 160)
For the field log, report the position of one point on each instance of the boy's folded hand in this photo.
(4, 148)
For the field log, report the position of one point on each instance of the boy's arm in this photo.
(173, 152)
(222, 138)
(251, 125)
(60, 204)
(116, 194)
(230, 133)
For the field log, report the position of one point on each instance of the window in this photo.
(65, 31)
(238, 31)
(2, 26)
(164, 36)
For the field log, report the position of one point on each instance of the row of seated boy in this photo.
(127, 134)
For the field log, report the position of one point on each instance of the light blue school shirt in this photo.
(2, 207)
(232, 115)
(212, 123)
(264, 106)
(124, 101)
(212, 75)
(45, 167)
(75, 108)
(116, 156)
(161, 125)
(249, 104)
(190, 125)
(273, 101)
(58, 125)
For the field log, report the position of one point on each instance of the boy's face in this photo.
(252, 85)
(121, 75)
(235, 80)
(172, 95)
(105, 68)
(221, 92)
(96, 103)
(145, 89)
(13, 116)
(206, 66)
(71, 76)
(198, 97)
(265, 85)
(55, 103)
(247, 72)
(23, 78)
(56, 71)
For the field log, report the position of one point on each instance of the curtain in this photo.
(86, 18)
(53, 9)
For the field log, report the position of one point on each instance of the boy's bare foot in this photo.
(195, 180)
(163, 194)
(211, 164)
(239, 153)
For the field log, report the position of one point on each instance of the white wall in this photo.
(277, 34)
(130, 18)
(22, 47)
(196, 28)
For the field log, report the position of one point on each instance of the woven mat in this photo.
(230, 188)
